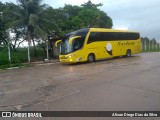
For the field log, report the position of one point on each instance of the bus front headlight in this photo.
(70, 60)
(71, 55)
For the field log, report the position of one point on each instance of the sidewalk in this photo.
(45, 62)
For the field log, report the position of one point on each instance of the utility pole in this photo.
(47, 41)
(47, 50)
(47, 59)
(9, 52)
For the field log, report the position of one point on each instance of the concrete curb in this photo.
(50, 62)
(45, 63)
(12, 68)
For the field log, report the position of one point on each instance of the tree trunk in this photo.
(29, 43)
(14, 46)
(35, 50)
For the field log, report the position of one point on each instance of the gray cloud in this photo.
(141, 16)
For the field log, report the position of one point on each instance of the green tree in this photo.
(94, 17)
(153, 42)
(11, 26)
(3, 33)
(146, 39)
(86, 15)
(3, 26)
(28, 19)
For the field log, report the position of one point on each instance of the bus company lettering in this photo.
(126, 43)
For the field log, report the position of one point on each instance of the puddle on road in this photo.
(1, 93)
(46, 89)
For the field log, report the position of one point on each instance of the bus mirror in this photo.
(73, 38)
(56, 44)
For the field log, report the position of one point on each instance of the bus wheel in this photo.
(91, 58)
(128, 53)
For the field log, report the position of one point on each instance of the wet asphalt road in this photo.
(122, 84)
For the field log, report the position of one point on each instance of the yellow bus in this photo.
(91, 44)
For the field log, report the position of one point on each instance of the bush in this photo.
(3, 57)
(20, 56)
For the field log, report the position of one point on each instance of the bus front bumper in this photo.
(67, 61)
(69, 58)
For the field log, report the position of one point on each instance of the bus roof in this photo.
(109, 30)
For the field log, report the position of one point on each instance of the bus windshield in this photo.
(77, 44)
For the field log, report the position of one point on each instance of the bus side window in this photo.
(78, 43)
(94, 36)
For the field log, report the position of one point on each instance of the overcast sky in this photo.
(142, 15)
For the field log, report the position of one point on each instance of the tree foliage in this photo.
(35, 20)
(86, 15)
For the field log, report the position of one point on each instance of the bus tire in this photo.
(128, 53)
(91, 58)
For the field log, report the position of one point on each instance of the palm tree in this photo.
(27, 18)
